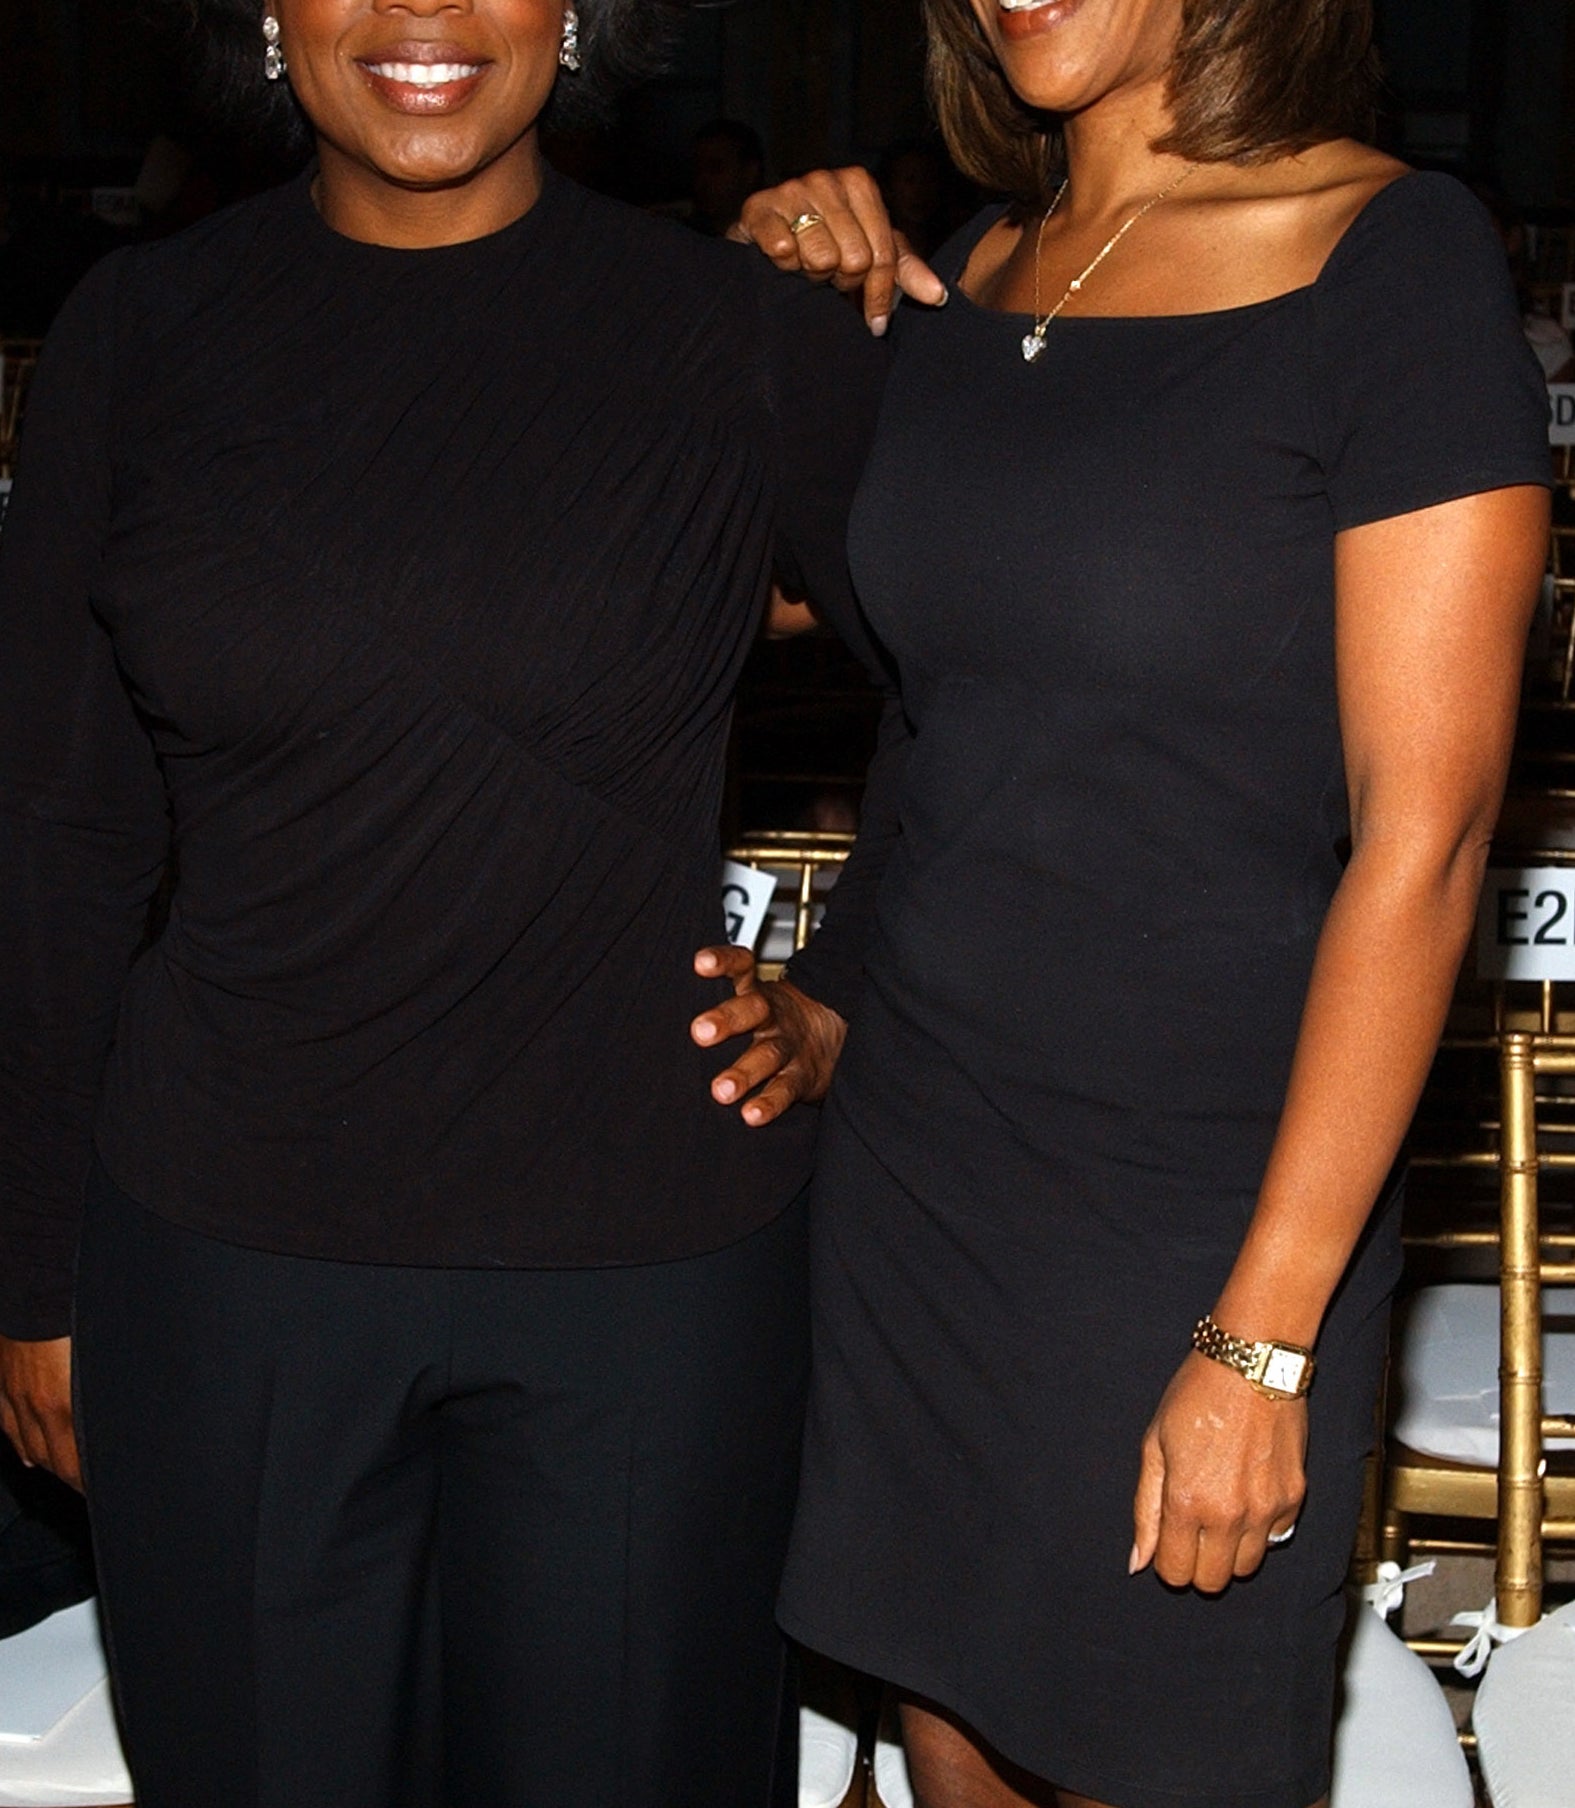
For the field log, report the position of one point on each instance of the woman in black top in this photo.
(1203, 523)
(390, 545)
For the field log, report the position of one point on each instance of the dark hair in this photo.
(1251, 79)
(622, 42)
(743, 138)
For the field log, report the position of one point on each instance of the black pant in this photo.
(376, 1537)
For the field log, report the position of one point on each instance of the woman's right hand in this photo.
(35, 1404)
(853, 248)
(794, 1041)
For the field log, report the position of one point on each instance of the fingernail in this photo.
(946, 296)
(1134, 1562)
(879, 325)
(726, 1091)
(753, 1114)
(705, 1032)
(706, 963)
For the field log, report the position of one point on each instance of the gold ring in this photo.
(804, 222)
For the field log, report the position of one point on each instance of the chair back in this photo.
(805, 865)
(1526, 1265)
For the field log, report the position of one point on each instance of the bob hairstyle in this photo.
(622, 42)
(1251, 79)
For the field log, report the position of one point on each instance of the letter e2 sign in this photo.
(1526, 923)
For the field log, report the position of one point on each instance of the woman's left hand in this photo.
(794, 1042)
(1222, 1469)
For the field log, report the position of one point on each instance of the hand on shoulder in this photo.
(832, 226)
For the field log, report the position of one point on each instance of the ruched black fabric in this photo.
(1107, 580)
(405, 591)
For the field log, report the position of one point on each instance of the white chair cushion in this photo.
(1395, 1744)
(1525, 1717)
(892, 1770)
(1445, 1373)
(827, 1755)
(58, 1744)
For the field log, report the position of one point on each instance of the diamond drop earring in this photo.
(273, 56)
(569, 55)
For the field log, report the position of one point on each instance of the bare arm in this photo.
(1431, 616)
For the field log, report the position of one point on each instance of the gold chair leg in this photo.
(1394, 1537)
(1518, 1579)
(1367, 1552)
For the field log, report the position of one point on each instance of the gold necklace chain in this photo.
(1034, 342)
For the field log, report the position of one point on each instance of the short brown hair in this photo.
(1251, 79)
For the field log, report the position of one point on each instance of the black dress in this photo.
(1107, 580)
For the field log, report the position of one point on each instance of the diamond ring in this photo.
(1283, 1537)
(804, 222)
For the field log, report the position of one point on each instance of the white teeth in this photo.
(1020, 6)
(425, 75)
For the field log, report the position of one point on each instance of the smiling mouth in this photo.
(1023, 19)
(424, 75)
(423, 80)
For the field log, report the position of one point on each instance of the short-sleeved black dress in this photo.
(1107, 579)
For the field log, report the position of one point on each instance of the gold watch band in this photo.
(1282, 1371)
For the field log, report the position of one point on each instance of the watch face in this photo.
(1284, 1370)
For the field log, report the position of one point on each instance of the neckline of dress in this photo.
(1015, 318)
(505, 238)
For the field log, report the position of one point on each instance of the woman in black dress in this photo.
(392, 543)
(1203, 524)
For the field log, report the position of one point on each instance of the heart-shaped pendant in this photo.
(1033, 345)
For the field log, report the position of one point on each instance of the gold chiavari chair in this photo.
(1553, 675)
(805, 865)
(1477, 1469)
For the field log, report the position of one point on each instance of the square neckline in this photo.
(1017, 317)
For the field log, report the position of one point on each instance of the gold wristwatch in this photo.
(1283, 1371)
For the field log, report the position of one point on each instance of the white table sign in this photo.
(1561, 414)
(746, 896)
(1526, 923)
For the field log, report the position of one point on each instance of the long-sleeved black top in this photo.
(404, 591)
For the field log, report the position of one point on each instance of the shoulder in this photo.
(731, 288)
(143, 292)
(1421, 224)
(697, 319)
(1264, 229)
(670, 258)
(1423, 387)
(214, 247)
